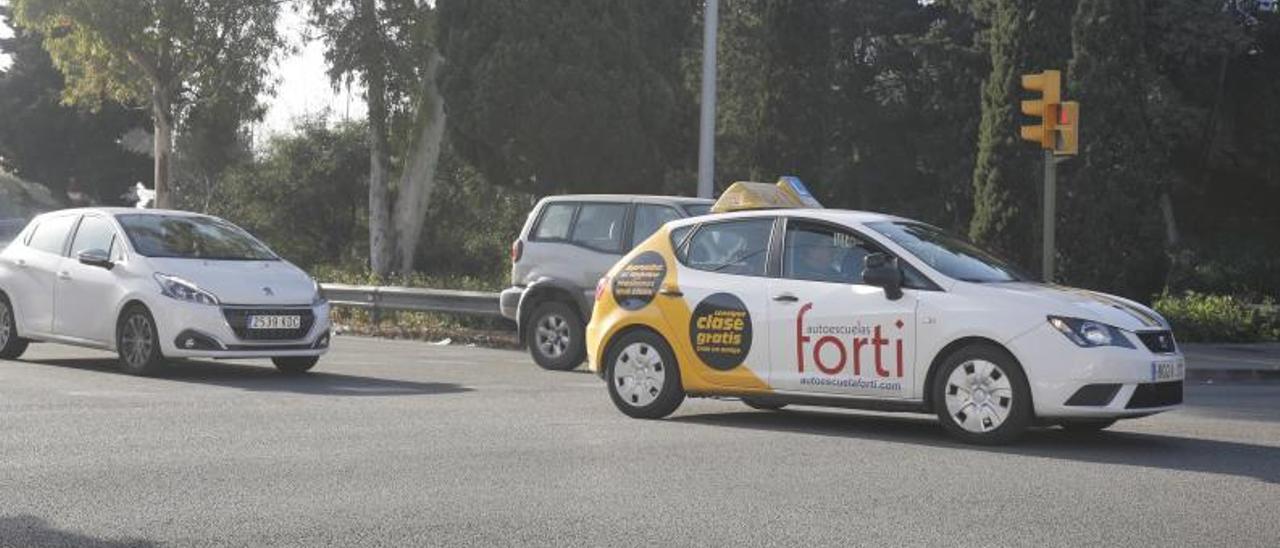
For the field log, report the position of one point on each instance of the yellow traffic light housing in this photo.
(1049, 84)
(1067, 137)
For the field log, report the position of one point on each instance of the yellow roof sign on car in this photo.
(787, 193)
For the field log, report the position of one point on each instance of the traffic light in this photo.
(1067, 137)
(1049, 84)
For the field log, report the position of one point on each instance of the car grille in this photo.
(238, 319)
(1159, 342)
(1156, 394)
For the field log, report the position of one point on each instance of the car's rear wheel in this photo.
(763, 405)
(981, 395)
(1086, 425)
(643, 377)
(138, 343)
(556, 337)
(295, 365)
(11, 345)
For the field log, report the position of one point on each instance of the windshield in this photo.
(949, 254)
(190, 237)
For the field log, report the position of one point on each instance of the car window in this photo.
(949, 254)
(731, 247)
(51, 235)
(94, 233)
(822, 254)
(555, 222)
(649, 218)
(599, 226)
(192, 237)
(695, 210)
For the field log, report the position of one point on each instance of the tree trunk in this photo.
(380, 231)
(163, 119)
(419, 176)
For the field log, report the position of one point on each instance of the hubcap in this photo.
(979, 396)
(638, 374)
(6, 324)
(136, 342)
(553, 335)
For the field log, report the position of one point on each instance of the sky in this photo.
(302, 86)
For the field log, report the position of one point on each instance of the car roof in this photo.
(113, 211)
(841, 216)
(620, 198)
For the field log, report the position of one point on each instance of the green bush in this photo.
(1198, 317)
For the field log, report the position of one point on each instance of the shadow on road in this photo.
(268, 379)
(1134, 449)
(33, 531)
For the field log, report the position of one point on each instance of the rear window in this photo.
(50, 235)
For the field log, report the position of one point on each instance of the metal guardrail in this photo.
(379, 299)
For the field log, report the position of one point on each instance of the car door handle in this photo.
(785, 298)
(671, 292)
(22, 263)
(64, 275)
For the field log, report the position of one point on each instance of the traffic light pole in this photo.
(1048, 250)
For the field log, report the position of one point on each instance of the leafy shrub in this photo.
(1199, 317)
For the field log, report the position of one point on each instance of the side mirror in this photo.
(96, 257)
(881, 270)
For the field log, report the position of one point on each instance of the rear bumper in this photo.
(509, 302)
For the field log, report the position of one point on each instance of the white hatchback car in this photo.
(156, 284)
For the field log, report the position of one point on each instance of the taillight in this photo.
(517, 249)
(601, 287)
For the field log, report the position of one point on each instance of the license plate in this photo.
(275, 322)
(1168, 370)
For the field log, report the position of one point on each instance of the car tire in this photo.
(762, 404)
(138, 342)
(295, 365)
(1085, 426)
(981, 395)
(556, 337)
(11, 345)
(643, 376)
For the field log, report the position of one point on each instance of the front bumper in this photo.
(1068, 381)
(200, 331)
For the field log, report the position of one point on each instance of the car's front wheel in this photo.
(295, 364)
(11, 345)
(138, 343)
(981, 395)
(643, 377)
(556, 337)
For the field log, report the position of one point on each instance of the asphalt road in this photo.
(401, 443)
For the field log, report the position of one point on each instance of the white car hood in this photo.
(1081, 303)
(243, 282)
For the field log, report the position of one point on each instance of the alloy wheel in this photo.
(553, 335)
(6, 323)
(137, 341)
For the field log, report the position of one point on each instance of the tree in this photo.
(570, 95)
(57, 145)
(1023, 36)
(167, 54)
(388, 45)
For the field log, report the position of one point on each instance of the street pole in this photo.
(707, 137)
(1050, 214)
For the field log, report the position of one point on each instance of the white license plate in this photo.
(1168, 370)
(275, 322)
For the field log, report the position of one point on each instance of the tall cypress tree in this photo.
(1024, 36)
(1110, 229)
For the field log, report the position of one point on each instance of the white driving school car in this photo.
(854, 309)
(155, 284)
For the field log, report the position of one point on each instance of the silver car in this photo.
(566, 245)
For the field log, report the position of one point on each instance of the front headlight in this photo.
(182, 290)
(1088, 333)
